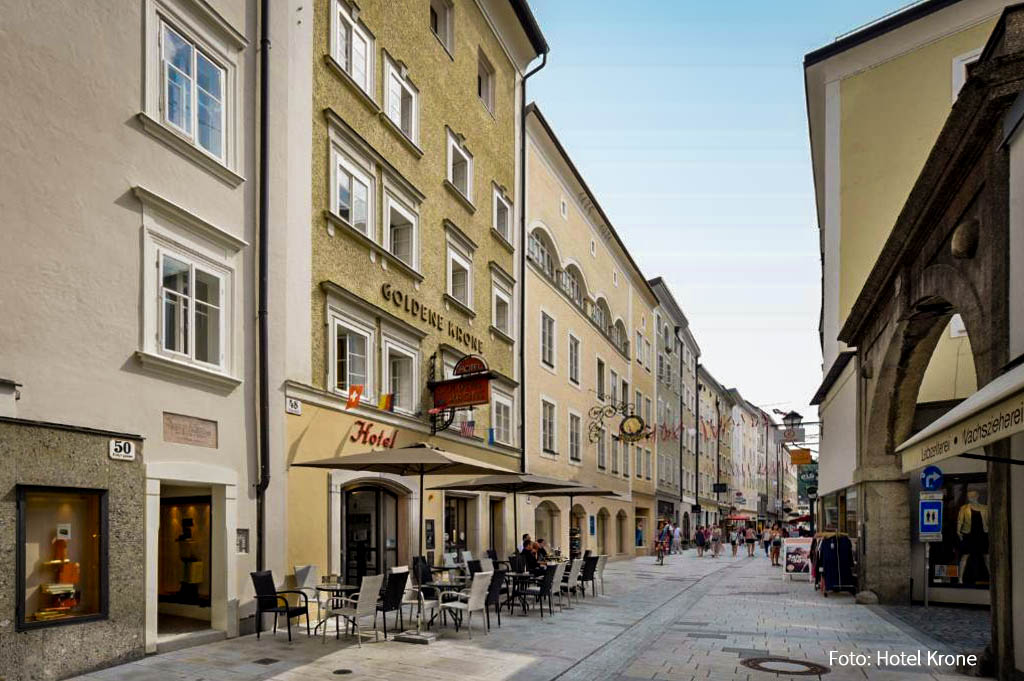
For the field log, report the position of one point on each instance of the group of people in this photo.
(709, 540)
(670, 538)
(534, 553)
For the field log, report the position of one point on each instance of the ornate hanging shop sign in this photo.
(632, 427)
(469, 387)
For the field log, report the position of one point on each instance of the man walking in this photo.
(677, 540)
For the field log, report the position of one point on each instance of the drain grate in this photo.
(783, 665)
(717, 636)
(265, 661)
(745, 653)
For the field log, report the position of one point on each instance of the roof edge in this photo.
(530, 26)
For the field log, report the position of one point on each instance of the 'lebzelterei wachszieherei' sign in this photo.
(1001, 420)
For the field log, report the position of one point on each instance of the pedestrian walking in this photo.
(734, 540)
(766, 539)
(698, 539)
(677, 540)
(749, 539)
(716, 542)
(776, 546)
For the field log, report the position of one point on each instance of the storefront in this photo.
(78, 601)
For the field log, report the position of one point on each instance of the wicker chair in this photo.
(364, 604)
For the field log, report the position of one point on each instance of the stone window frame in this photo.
(348, 13)
(394, 69)
(574, 367)
(390, 342)
(548, 435)
(507, 400)
(338, 317)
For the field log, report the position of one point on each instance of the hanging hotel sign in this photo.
(972, 432)
(632, 429)
(417, 310)
(799, 457)
(470, 386)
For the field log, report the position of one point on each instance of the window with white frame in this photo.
(615, 455)
(401, 100)
(352, 347)
(460, 167)
(563, 208)
(575, 433)
(647, 410)
(661, 410)
(354, 194)
(638, 463)
(540, 254)
(625, 460)
(401, 231)
(501, 306)
(639, 347)
(574, 359)
(353, 48)
(501, 417)
(614, 387)
(547, 427)
(460, 275)
(601, 462)
(647, 355)
(485, 81)
(401, 363)
(441, 22)
(600, 379)
(571, 286)
(547, 339)
(502, 216)
(192, 296)
(193, 88)
(661, 367)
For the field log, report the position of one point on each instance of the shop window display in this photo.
(62, 555)
(961, 560)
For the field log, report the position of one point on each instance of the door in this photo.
(370, 541)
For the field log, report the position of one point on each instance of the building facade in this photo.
(590, 358)
(714, 448)
(146, 263)
(408, 265)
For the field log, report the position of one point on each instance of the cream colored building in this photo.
(877, 99)
(589, 356)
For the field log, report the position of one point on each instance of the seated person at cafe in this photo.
(531, 563)
(526, 542)
(542, 550)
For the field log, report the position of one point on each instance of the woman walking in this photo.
(734, 539)
(699, 540)
(749, 538)
(776, 546)
(716, 542)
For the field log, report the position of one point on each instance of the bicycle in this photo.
(660, 552)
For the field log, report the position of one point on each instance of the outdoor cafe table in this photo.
(521, 578)
(336, 591)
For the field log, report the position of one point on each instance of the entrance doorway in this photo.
(370, 534)
(497, 526)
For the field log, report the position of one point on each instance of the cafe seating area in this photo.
(463, 596)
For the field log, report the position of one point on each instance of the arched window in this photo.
(601, 315)
(539, 251)
(572, 284)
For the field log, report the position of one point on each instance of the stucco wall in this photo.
(33, 455)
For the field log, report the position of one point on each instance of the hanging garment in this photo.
(837, 563)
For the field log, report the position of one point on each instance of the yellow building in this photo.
(588, 359)
(877, 99)
(715, 446)
(416, 110)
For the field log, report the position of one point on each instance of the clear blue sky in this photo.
(687, 120)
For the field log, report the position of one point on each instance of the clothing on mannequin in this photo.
(972, 530)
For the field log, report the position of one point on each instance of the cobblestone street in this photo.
(690, 619)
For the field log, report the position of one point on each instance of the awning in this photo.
(993, 413)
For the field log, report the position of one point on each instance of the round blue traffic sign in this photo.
(931, 478)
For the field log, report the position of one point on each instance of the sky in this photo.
(688, 121)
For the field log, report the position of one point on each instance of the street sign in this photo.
(931, 478)
(695, 508)
(720, 487)
(800, 457)
(930, 516)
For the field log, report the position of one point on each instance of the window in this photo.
(501, 418)
(354, 50)
(574, 359)
(502, 216)
(575, 427)
(615, 277)
(647, 464)
(615, 455)
(625, 393)
(615, 387)
(401, 231)
(401, 101)
(193, 88)
(563, 208)
(647, 410)
(501, 303)
(600, 379)
(540, 254)
(400, 366)
(638, 406)
(571, 286)
(547, 427)
(441, 22)
(485, 81)
(192, 302)
(460, 167)
(661, 367)
(593, 248)
(639, 462)
(61, 555)
(625, 460)
(460, 276)
(354, 193)
(639, 347)
(547, 339)
(647, 355)
(353, 362)
(600, 450)
(456, 525)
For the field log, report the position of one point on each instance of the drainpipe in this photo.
(522, 264)
(264, 266)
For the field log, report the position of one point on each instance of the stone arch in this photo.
(603, 517)
(601, 308)
(621, 531)
(572, 269)
(541, 232)
(619, 332)
(547, 523)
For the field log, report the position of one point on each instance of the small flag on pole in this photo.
(355, 394)
(386, 402)
(467, 428)
(490, 436)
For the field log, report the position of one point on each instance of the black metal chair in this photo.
(269, 599)
(430, 594)
(542, 589)
(494, 594)
(474, 567)
(391, 599)
(588, 573)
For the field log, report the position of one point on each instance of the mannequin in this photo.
(972, 530)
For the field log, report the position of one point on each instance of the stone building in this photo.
(590, 353)
(408, 264)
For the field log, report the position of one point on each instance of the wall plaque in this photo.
(190, 430)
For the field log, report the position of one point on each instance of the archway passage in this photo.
(602, 530)
(547, 523)
(621, 531)
(578, 532)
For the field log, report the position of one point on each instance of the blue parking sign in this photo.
(930, 517)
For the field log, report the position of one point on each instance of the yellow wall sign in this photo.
(799, 457)
(999, 421)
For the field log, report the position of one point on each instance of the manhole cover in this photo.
(782, 665)
(265, 661)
